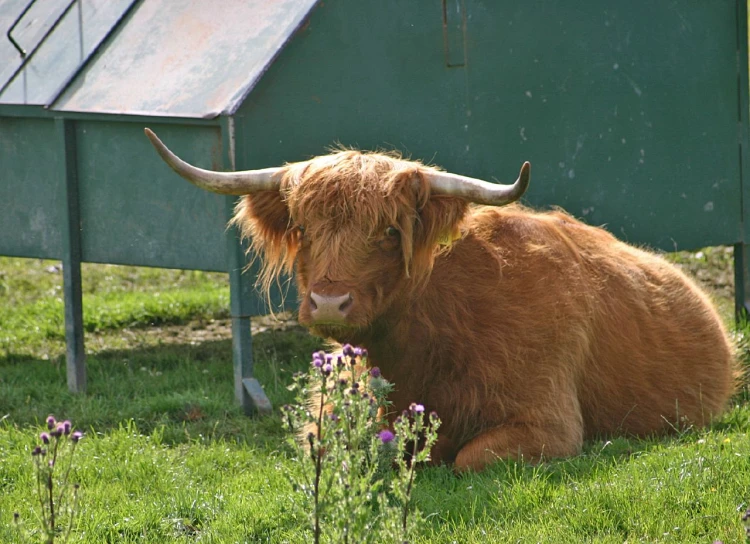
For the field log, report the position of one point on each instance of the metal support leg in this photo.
(247, 390)
(741, 282)
(71, 259)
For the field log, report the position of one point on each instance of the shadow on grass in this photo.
(185, 390)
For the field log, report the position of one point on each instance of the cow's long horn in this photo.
(478, 191)
(226, 183)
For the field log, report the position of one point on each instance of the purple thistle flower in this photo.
(386, 436)
(334, 418)
(76, 436)
(329, 358)
(416, 408)
(66, 427)
(358, 352)
(364, 352)
(375, 372)
(44, 437)
(353, 391)
(36, 451)
(51, 422)
(340, 361)
(347, 350)
(59, 430)
(327, 369)
(317, 363)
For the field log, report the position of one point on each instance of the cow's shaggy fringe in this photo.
(529, 333)
(379, 192)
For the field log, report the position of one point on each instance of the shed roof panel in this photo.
(194, 58)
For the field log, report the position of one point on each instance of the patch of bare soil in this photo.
(713, 267)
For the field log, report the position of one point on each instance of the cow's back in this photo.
(642, 343)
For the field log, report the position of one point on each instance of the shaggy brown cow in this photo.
(527, 332)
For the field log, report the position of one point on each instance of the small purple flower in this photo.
(416, 408)
(375, 372)
(317, 363)
(36, 451)
(347, 350)
(386, 436)
(327, 369)
(364, 353)
(334, 418)
(358, 352)
(353, 391)
(51, 422)
(66, 427)
(340, 361)
(76, 436)
(319, 355)
(59, 430)
(329, 358)
(44, 437)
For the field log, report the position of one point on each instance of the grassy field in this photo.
(168, 457)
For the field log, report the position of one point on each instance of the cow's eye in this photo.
(391, 232)
(301, 229)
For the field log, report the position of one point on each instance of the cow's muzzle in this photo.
(330, 308)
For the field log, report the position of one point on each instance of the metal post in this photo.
(247, 390)
(741, 254)
(71, 258)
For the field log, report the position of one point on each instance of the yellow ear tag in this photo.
(449, 237)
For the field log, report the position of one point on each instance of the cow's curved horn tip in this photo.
(150, 133)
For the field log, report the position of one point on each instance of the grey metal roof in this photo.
(46, 41)
(192, 58)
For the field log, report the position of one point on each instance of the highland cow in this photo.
(527, 332)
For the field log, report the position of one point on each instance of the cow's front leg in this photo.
(523, 441)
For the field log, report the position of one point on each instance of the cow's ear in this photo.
(264, 218)
(439, 221)
(264, 215)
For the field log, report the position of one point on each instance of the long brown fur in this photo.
(528, 334)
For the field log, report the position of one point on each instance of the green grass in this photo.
(168, 456)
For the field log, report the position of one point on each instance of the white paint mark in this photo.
(528, 94)
(615, 66)
(586, 211)
(523, 133)
(561, 164)
(708, 207)
(634, 85)
(571, 173)
(623, 140)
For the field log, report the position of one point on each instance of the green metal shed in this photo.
(633, 116)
